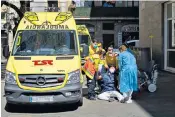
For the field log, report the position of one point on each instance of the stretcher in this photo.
(147, 78)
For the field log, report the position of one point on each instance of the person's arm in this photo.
(120, 62)
(100, 77)
(106, 65)
(117, 66)
(103, 51)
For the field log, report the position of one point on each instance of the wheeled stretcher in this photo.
(147, 78)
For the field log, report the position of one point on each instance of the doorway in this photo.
(108, 40)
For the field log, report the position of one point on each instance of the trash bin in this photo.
(143, 57)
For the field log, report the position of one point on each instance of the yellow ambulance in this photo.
(84, 39)
(44, 65)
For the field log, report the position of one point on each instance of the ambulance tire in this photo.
(80, 103)
(10, 107)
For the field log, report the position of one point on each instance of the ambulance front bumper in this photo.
(68, 94)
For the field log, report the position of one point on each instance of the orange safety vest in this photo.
(89, 68)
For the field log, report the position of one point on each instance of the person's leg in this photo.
(99, 84)
(128, 96)
(118, 96)
(104, 96)
(91, 87)
(125, 95)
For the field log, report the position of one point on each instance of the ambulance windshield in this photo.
(45, 43)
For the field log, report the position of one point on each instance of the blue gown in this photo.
(127, 72)
(129, 50)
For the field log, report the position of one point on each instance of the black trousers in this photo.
(91, 83)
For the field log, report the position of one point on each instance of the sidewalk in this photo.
(3, 66)
(160, 103)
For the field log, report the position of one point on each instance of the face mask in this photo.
(95, 46)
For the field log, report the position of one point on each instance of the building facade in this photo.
(111, 24)
(158, 19)
(8, 14)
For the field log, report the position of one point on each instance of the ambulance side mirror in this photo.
(85, 50)
(19, 38)
(81, 49)
(6, 52)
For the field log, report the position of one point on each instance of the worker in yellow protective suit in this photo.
(91, 67)
(112, 61)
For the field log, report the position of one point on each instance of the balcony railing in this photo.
(42, 9)
(85, 12)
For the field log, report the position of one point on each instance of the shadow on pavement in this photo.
(162, 102)
(40, 108)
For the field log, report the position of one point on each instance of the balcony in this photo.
(108, 12)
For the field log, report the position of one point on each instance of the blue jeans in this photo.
(91, 83)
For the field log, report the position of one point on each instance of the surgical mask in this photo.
(95, 46)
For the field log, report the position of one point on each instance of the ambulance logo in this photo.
(42, 62)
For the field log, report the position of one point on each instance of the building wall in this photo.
(151, 23)
(98, 28)
(38, 5)
(64, 4)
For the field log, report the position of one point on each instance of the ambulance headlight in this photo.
(74, 77)
(10, 78)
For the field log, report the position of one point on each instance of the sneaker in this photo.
(129, 101)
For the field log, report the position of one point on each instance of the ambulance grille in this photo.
(41, 81)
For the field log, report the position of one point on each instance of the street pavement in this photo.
(158, 104)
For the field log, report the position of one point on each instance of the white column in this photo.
(63, 5)
(10, 40)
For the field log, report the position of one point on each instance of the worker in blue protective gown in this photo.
(127, 73)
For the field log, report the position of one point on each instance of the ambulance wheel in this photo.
(10, 107)
(152, 88)
(80, 103)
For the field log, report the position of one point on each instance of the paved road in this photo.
(89, 109)
(158, 104)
